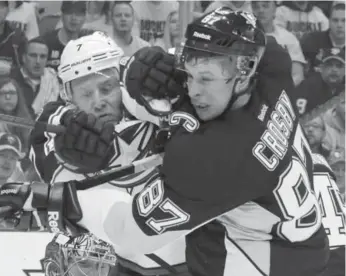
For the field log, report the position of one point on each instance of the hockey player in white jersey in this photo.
(89, 71)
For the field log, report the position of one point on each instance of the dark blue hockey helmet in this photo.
(224, 32)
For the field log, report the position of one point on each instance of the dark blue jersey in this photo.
(239, 189)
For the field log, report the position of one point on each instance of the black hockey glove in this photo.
(150, 74)
(87, 145)
(57, 204)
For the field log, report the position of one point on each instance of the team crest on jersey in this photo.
(136, 134)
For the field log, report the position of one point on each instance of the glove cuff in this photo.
(63, 209)
(67, 110)
(40, 194)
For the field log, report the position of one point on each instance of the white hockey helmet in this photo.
(86, 55)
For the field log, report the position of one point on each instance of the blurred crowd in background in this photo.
(33, 35)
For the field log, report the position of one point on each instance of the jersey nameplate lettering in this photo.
(275, 137)
(298, 205)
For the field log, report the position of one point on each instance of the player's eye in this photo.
(206, 79)
(109, 87)
(106, 90)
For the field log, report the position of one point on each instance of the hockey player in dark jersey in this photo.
(237, 171)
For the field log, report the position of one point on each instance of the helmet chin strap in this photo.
(241, 92)
(67, 92)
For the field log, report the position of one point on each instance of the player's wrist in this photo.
(38, 197)
(60, 114)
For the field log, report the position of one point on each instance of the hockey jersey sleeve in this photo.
(200, 180)
(331, 203)
(42, 143)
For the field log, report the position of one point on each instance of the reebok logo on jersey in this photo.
(263, 112)
(53, 218)
(203, 36)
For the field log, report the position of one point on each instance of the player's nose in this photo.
(194, 90)
(99, 102)
(100, 105)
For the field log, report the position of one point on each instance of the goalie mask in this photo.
(79, 256)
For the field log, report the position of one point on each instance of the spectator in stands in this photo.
(123, 20)
(337, 163)
(10, 154)
(234, 5)
(325, 6)
(318, 137)
(265, 13)
(150, 18)
(48, 8)
(10, 41)
(301, 17)
(97, 17)
(319, 87)
(171, 33)
(38, 83)
(23, 16)
(12, 103)
(335, 119)
(73, 18)
(313, 43)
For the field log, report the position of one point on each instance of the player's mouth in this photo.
(200, 106)
(111, 118)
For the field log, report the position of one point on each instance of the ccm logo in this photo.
(9, 191)
(53, 218)
(203, 36)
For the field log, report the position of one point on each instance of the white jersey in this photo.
(133, 142)
(173, 254)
